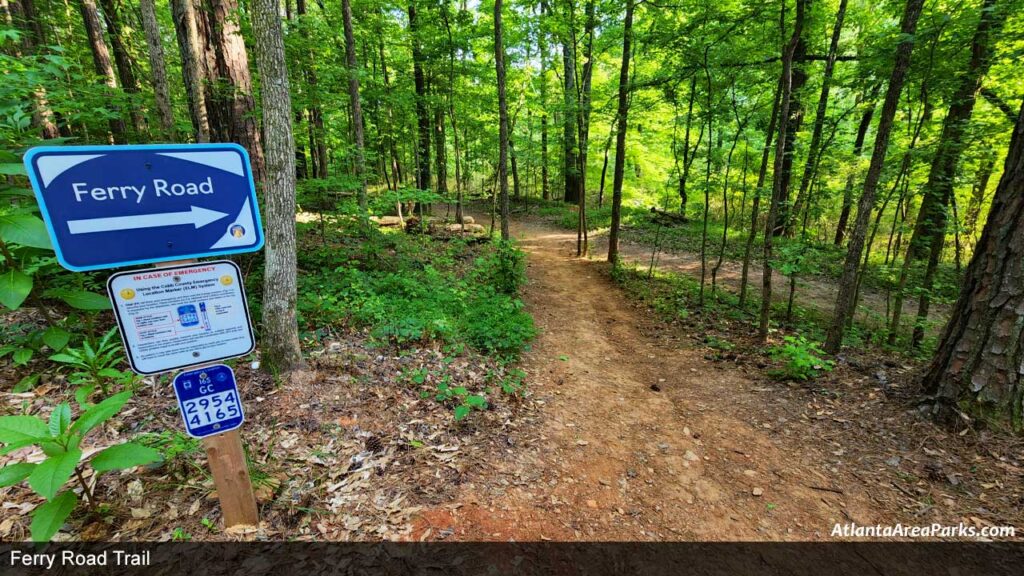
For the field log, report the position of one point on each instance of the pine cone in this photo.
(374, 444)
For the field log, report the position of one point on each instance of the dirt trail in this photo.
(615, 459)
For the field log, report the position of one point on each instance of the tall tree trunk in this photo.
(848, 283)
(755, 205)
(794, 118)
(353, 96)
(125, 64)
(193, 70)
(317, 130)
(542, 46)
(976, 368)
(441, 152)
(280, 349)
(978, 195)
(858, 146)
(158, 67)
(583, 125)
(570, 165)
(929, 233)
(499, 67)
(101, 61)
(813, 149)
(422, 111)
(24, 15)
(781, 173)
(620, 134)
(688, 153)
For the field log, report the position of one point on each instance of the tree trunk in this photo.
(24, 15)
(858, 146)
(158, 66)
(422, 111)
(929, 234)
(813, 149)
(280, 348)
(542, 47)
(101, 60)
(316, 128)
(620, 134)
(795, 117)
(125, 64)
(441, 152)
(499, 67)
(193, 70)
(847, 284)
(570, 171)
(583, 125)
(688, 153)
(353, 96)
(781, 174)
(978, 195)
(977, 367)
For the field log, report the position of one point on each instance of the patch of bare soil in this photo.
(647, 434)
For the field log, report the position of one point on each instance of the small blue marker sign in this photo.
(110, 206)
(209, 401)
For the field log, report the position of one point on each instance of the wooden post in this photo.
(230, 472)
(231, 476)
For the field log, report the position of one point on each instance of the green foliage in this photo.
(60, 439)
(458, 397)
(801, 358)
(94, 365)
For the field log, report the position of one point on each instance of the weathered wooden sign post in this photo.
(167, 205)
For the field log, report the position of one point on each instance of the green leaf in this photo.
(100, 413)
(64, 359)
(477, 401)
(48, 477)
(48, 517)
(26, 230)
(81, 299)
(461, 411)
(14, 473)
(14, 288)
(27, 383)
(60, 419)
(21, 356)
(12, 169)
(22, 429)
(124, 456)
(56, 338)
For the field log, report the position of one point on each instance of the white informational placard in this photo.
(181, 316)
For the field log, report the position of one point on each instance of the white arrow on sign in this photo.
(197, 216)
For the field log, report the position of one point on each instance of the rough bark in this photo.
(101, 61)
(847, 284)
(499, 68)
(158, 68)
(620, 134)
(353, 96)
(422, 110)
(193, 70)
(280, 347)
(977, 367)
(570, 171)
(124, 63)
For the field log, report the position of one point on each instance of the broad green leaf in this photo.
(14, 288)
(12, 169)
(26, 230)
(64, 359)
(49, 476)
(22, 429)
(124, 456)
(60, 419)
(461, 411)
(21, 356)
(14, 473)
(56, 338)
(477, 401)
(81, 299)
(27, 383)
(48, 517)
(100, 413)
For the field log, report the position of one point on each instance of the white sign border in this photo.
(205, 361)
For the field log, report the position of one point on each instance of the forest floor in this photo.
(644, 435)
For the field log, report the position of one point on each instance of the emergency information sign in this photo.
(208, 399)
(181, 316)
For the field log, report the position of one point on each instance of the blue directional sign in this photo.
(110, 206)
(208, 399)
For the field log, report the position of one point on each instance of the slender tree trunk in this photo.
(755, 205)
(688, 155)
(813, 149)
(570, 171)
(542, 47)
(101, 60)
(422, 111)
(158, 66)
(24, 15)
(583, 124)
(620, 134)
(976, 368)
(848, 282)
(604, 167)
(781, 174)
(710, 111)
(978, 195)
(192, 69)
(280, 348)
(125, 64)
(858, 146)
(353, 96)
(795, 117)
(317, 129)
(499, 67)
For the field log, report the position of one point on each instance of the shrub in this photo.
(801, 359)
